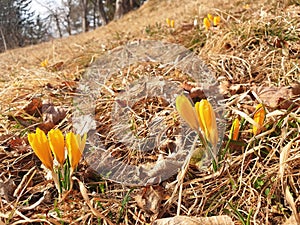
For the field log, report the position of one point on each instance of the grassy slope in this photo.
(241, 52)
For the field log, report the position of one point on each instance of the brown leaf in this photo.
(183, 220)
(56, 67)
(291, 221)
(7, 188)
(52, 114)
(149, 199)
(34, 107)
(277, 97)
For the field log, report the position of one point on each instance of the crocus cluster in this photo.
(207, 21)
(170, 23)
(201, 117)
(56, 145)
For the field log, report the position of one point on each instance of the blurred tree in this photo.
(18, 25)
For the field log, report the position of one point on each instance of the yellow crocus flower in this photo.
(259, 118)
(172, 23)
(187, 111)
(57, 145)
(75, 146)
(41, 148)
(44, 63)
(210, 17)
(207, 121)
(235, 129)
(217, 20)
(206, 23)
(168, 21)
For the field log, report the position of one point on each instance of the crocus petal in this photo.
(207, 121)
(187, 111)
(206, 23)
(172, 24)
(259, 118)
(41, 148)
(217, 20)
(75, 146)
(234, 131)
(168, 21)
(57, 145)
(210, 17)
(197, 108)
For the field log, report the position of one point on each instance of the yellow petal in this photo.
(197, 108)
(41, 148)
(75, 146)
(172, 24)
(168, 22)
(44, 63)
(210, 17)
(259, 118)
(57, 145)
(187, 111)
(235, 129)
(206, 23)
(207, 118)
(217, 20)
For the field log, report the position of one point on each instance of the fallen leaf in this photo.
(7, 189)
(183, 220)
(34, 107)
(56, 67)
(277, 97)
(52, 114)
(291, 221)
(149, 199)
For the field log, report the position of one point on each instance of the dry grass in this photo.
(255, 47)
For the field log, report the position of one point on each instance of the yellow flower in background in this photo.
(75, 146)
(259, 118)
(44, 63)
(41, 147)
(206, 23)
(168, 21)
(207, 121)
(172, 24)
(57, 145)
(187, 111)
(217, 20)
(210, 17)
(235, 129)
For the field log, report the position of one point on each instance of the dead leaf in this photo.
(226, 87)
(18, 144)
(291, 220)
(277, 97)
(56, 67)
(7, 188)
(183, 220)
(149, 199)
(34, 107)
(52, 114)
(290, 200)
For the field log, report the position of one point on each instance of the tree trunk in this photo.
(122, 7)
(102, 14)
(69, 26)
(84, 13)
(3, 39)
(56, 18)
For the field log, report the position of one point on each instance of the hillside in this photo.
(253, 53)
